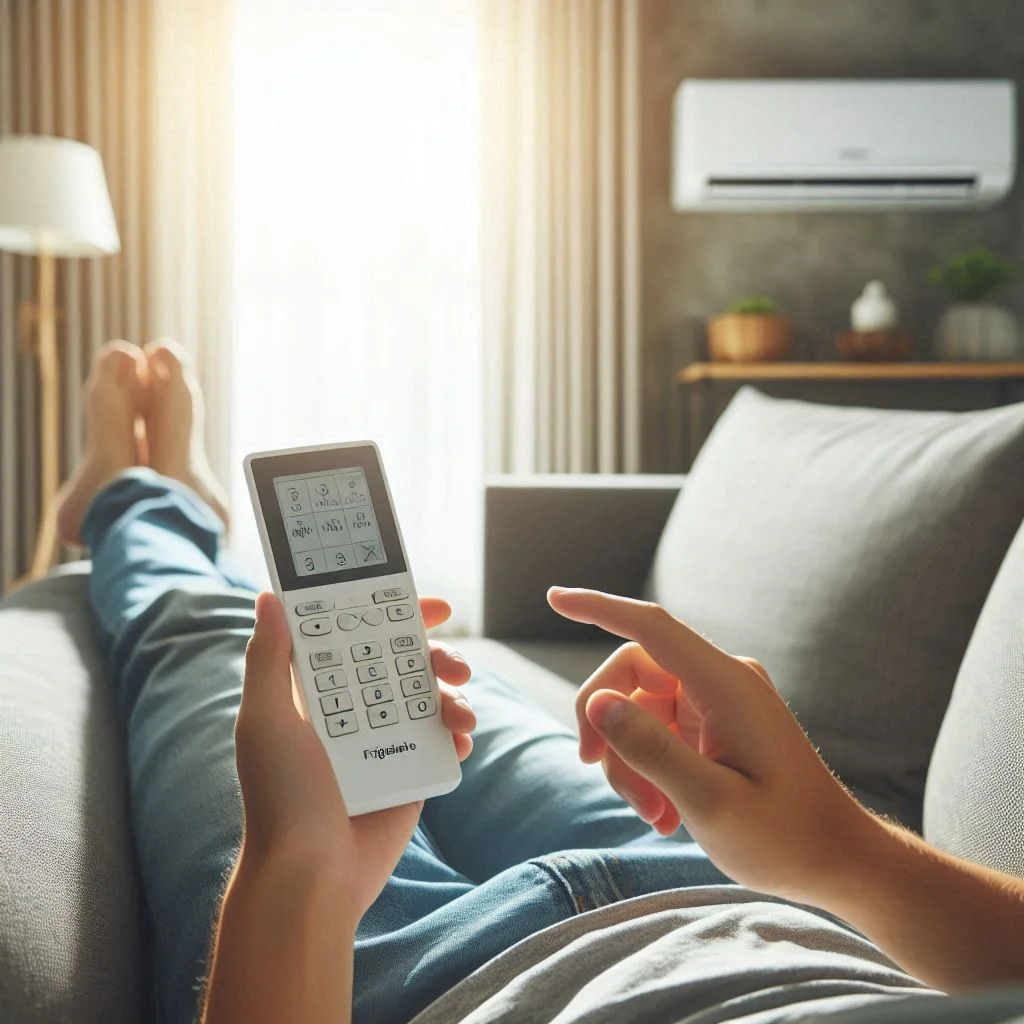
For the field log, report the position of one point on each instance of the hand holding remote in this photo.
(293, 806)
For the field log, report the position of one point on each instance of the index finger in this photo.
(696, 662)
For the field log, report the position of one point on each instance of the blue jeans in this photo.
(531, 837)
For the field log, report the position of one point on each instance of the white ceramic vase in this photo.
(977, 330)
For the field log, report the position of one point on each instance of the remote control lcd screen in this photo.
(330, 522)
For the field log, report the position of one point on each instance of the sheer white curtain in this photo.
(357, 310)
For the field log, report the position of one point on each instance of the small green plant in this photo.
(757, 305)
(973, 276)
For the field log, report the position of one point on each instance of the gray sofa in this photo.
(73, 931)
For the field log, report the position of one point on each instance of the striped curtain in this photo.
(145, 82)
(561, 235)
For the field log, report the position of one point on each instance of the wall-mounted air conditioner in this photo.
(843, 145)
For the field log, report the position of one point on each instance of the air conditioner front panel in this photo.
(812, 144)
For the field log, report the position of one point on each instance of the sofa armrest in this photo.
(577, 530)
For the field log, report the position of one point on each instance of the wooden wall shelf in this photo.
(697, 372)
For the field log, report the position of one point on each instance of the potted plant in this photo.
(751, 331)
(973, 327)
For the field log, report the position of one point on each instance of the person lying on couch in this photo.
(536, 890)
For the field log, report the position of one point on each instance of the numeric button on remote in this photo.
(391, 594)
(409, 663)
(422, 707)
(377, 694)
(315, 627)
(374, 617)
(405, 643)
(347, 621)
(365, 652)
(325, 659)
(412, 686)
(371, 673)
(330, 680)
(313, 607)
(386, 714)
(399, 612)
(336, 702)
(340, 725)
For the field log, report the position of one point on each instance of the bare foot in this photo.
(113, 404)
(174, 424)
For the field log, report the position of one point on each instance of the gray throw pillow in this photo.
(72, 925)
(850, 551)
(974, 800)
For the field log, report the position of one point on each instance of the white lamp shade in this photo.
(54, 198)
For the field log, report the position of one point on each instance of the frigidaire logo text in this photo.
(379, 753)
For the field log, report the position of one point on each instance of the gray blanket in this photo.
(706, 955)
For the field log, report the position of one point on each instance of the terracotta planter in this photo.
(748, 338)
(977, 330)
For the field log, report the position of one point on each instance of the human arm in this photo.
(306, 872)
(688, 733)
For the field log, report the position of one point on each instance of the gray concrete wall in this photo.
(814, 264)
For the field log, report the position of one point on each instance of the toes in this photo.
(119, 359)
(167, 359)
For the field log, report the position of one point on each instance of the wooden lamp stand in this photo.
(43, 315)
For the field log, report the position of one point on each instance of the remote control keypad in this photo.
(378, 698)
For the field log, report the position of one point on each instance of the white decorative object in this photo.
(977, 330)
(874, 310)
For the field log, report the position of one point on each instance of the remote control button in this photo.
(405, 643)
(371, 673)
(340, 725)
(365, 652)
(399, 612)
(315, 627)
(424, 707)
(377, 694)
(347, 621)
(313, 607)
(374, 617)
(336, 702)
(409, 663)
(387, 714)
(391, 594)
(325, 659)
(412, 686)
(330, 680)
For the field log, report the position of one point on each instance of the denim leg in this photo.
(525, 783)
(176, 618)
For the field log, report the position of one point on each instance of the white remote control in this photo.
(336, 559)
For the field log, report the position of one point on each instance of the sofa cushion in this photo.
(72, 928)
(974, 799)
(850, 551)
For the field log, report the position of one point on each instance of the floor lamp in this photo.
(53, 203)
